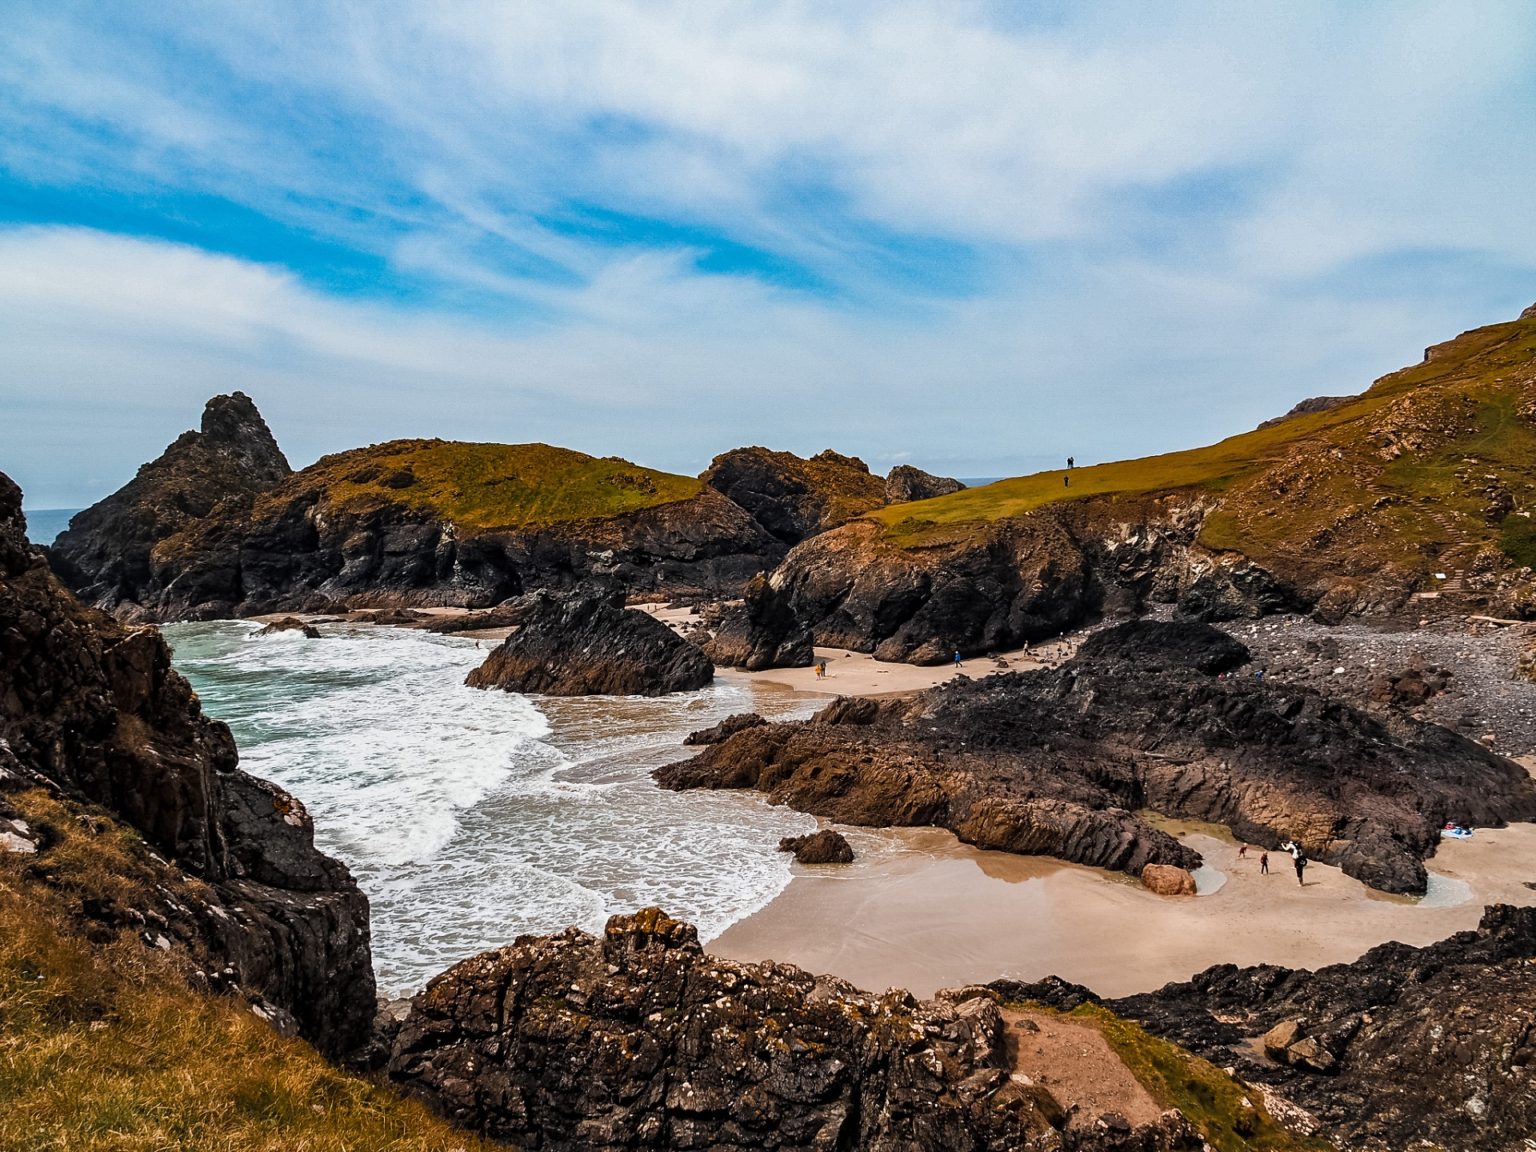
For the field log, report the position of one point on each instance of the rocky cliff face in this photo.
(1403, 1048)
(994, 586)
(106, 551)
(92, 711)
(638, 1039)
(1058, 762)
(793, 498)
(586, 643)
(418, 524)
(1413, 498)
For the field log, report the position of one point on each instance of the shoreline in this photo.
(919, 910)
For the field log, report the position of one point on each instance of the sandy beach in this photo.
(922, 911)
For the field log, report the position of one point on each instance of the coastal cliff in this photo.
(1147, 716)
(1412, 499)
(93, 719)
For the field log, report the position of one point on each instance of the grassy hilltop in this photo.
(1434, 460)
(485, 486)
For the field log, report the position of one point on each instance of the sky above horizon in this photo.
(973, 237)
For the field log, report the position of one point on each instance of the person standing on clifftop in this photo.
(1069, 462)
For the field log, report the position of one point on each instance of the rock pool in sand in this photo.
(471, 817)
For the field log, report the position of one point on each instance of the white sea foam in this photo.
(470, 817)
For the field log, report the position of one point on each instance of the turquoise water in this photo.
(470, 817)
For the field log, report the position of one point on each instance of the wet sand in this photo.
(920, 910)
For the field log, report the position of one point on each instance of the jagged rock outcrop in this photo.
(291, 624)
(105, 554)
(1057, 762)
(92, 710)
(993, 586)
(905, 484)
(1403, 1048)
(638, 1039)
(827, 846)
(739, 722)
(794, 498)
(406, 524)
(586, 643)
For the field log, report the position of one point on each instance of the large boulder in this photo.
(92, 712)
(906, 483)
(827, 846)
(1166, 880)
(586, 643)
(105, 554)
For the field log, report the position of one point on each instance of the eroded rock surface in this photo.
(586, 643)
(92, 710)
(795, 498)
(1403, 1048)
(906, 483)
(1059, 762)
(106, 553)
(640, 1040)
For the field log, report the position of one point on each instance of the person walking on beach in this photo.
(957, 659)
(1298, 858)
(1242, 851)
(1263, 863)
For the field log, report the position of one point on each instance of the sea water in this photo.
(471, 816)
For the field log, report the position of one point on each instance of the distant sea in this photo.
(45, 524)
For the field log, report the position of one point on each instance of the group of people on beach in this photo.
(1298, 859)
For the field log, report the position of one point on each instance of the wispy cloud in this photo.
(659, 229)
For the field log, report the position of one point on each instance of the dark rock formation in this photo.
(1057, 763)
(291, 624)
(1403, 1048)
(586, 643)
(92, 710)
(991, 586)
(761, 632)
(906, 483)
(794, 498)
(731, 725)
(824, 847)
(640, 1040)
(106, 553)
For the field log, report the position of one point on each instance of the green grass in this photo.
(487, 486)
(1210, 1099)
(104, 1048)
(1491, 365)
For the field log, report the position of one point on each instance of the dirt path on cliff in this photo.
(1075, 1064)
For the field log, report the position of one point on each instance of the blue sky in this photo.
(972, 237)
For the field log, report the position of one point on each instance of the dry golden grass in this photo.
(104, 1047)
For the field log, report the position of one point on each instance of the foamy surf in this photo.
(471, 817)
